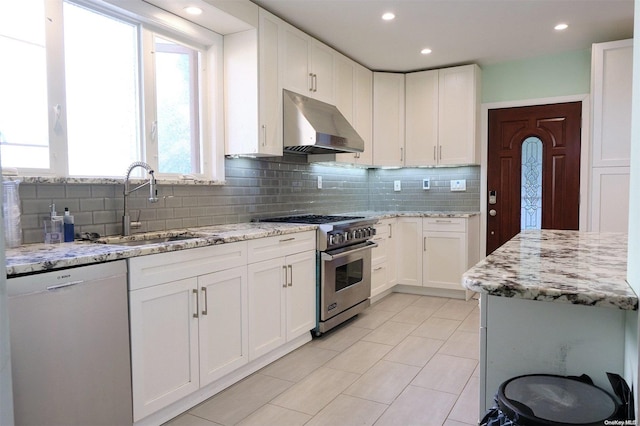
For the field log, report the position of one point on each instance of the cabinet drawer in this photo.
(283, 245)
(451, 224)
(147, 271)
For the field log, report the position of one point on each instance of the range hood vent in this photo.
(315, 127)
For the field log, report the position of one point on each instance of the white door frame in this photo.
(585, 152)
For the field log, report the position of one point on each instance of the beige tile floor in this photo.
(406, 360)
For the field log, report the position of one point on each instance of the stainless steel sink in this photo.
(145, 242)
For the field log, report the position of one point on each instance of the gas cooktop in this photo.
(312, 219)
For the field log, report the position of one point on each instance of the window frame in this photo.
(150, 21)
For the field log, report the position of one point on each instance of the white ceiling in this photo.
(458, 31)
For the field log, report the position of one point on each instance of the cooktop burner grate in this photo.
(312, 219)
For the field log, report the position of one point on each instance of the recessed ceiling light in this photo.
(561, 27)
(388, 16)
(193, 10)
(425, 51)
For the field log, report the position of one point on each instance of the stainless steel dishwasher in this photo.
(70, 346)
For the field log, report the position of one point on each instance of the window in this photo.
(122, 91)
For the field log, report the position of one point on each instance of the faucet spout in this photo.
(153, 192)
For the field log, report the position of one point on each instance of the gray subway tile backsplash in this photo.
(255, 188)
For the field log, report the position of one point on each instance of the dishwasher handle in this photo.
(64, 285)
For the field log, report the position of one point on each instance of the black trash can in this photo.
(543, 399)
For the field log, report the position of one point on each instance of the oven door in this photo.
(345, 278)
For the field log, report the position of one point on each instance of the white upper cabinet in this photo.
(308, 66)
(458, 115)
(388, 119)
(421, 121)
(442, 108)
(354, 99)
(253, 103)
(611, 77)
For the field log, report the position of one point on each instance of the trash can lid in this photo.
(554, 400)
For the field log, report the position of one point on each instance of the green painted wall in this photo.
(563, 74)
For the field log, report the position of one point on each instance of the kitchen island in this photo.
(554, 302)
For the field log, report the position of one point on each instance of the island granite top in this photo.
(583, 268)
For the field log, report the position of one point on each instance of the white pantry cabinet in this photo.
(442, 116)
(188, 315)
(282, 290)
(611, 78)
(611, 81)
(253, 100)
(388, 119)
(307, 65)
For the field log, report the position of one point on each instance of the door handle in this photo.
(284, 267)
(492, 212)
(290, 267)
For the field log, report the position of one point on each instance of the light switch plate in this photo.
(459, 185)
(397, 186)
(319, 182)
(426, 183)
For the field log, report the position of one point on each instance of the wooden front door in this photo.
(556, 128)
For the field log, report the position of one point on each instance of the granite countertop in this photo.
(33, 258)
(45, 257)
(575, 267)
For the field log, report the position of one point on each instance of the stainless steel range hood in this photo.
(315, 127)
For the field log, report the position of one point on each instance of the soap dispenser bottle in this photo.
(53, 227)
(68, 226)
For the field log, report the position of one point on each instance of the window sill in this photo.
(106, 181)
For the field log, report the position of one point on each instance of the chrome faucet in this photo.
(153, 193)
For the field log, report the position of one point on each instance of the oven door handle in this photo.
(367, 246)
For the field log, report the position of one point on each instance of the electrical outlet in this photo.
(459, 185)
(397, 186)
(319, 182)
(426, 183)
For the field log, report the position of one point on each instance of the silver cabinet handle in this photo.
(290, 267)
(206, 302)
(311, 82)
(440, 152)
(59, 286)
(284, 268)
(195, 292)
(443, 221)
(378, 268)
(287, 239)
(264, 135)
(315, 82)
(424, 244)
(390, 230)
(401, 154)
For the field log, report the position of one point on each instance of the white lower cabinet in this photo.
(282, 291)
(200, 317)
(383, 257)
(188, 327)
(434, 252)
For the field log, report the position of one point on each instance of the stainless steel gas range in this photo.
(343, 263)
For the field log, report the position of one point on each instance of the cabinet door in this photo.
(267, 306)
(388, 119)
(363, 112)
(323, 69)
(612, 66)
(421, 138)
(164, 345)
(610, 199)
(344, 87)
(445, 258)
(295, 69)
(223, 327)
(270, 97)
(409, 264)
(301, 294)
(458, 109)
(379, 278)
